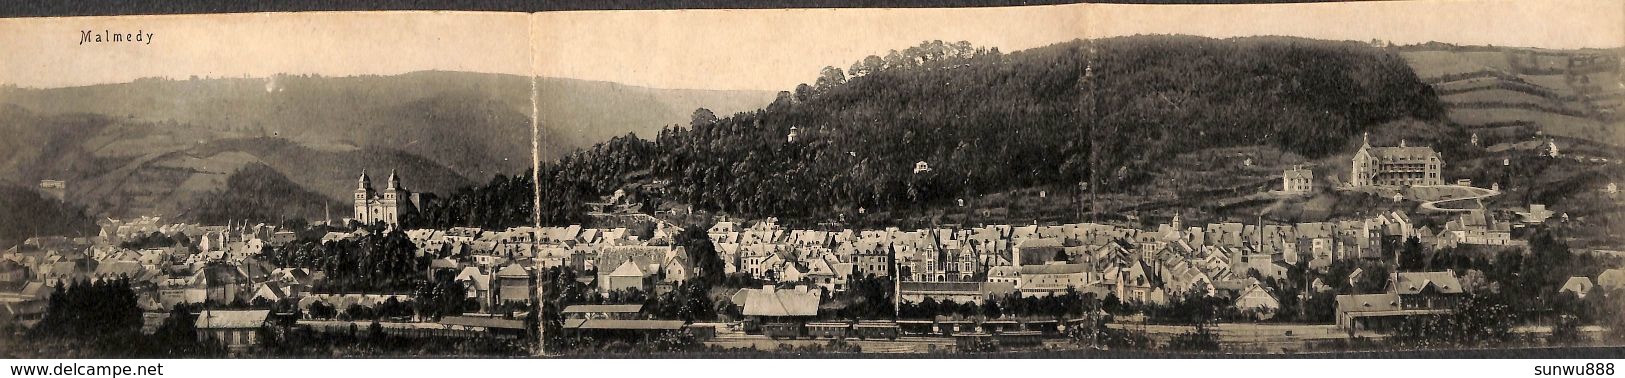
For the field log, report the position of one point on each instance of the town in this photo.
(647, 284)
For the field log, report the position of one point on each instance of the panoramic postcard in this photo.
(1343, 179)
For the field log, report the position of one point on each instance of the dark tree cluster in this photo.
(101, 319)
(159, 240)
(382, 261)
(1478, 321)
(83, 309)
(867, 297)
(45, 216)
(688, 301)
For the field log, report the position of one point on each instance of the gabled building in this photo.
(236, 330)
(625, 277)
(1250, 297)
(514, 284)
(1298, 181)
(770, 304)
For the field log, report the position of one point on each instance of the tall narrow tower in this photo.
(389, 202)
(363, 198)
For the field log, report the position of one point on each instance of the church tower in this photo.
(363, 199)
(390, 201)
(1361, 170)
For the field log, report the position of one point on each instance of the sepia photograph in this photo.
(1349, 180)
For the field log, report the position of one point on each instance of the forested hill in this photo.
(985, 122)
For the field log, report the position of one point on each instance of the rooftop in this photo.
(223, 319)
(619, 309)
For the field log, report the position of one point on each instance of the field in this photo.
(1520, 87)
(1549, 123)
(1467, 84)
(1432, 64)
(1498, 96)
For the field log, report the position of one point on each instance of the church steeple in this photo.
(364, 183)
(394, 181)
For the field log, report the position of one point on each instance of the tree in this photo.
(803, 92)
(828, 78)
(702, 116)
(1111, 304)
(990, 309)
(178, 335)
(1411, 257)
(702, 254)
(869, 64)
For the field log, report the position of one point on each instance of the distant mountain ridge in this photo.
(158, 146)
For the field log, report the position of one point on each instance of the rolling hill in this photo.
(121, 168)
(948, 122)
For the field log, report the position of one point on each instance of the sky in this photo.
(777, 49)
(1558, 24)
(724, 49)
(771, 49)
(45, 52)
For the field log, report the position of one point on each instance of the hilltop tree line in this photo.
(505, 201)
(985, 122)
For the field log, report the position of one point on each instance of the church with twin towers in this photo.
(386, 206)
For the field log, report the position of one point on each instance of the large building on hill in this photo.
(387, 206)
(1395, 166)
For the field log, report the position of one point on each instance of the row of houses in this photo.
(969, 264)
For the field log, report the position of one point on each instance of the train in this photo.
(891, 330)
(862, 330)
